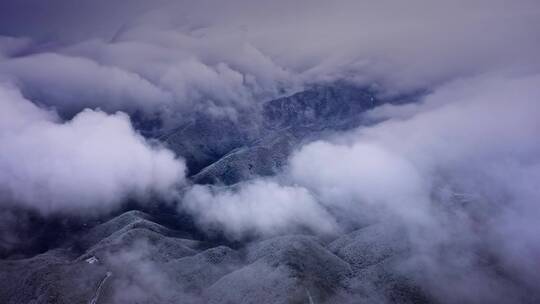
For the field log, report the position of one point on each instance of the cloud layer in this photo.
(181, 56)
(458, 171)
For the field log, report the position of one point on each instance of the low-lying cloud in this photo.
(469, 161)
(76, 83)
(459, 171)
(259, 208)
(90, 163)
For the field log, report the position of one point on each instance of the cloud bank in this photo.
(91, 163)
(181, 56)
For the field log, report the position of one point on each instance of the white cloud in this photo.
(361, 176)
(260, 208)
(460, 171)
(88, 164)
